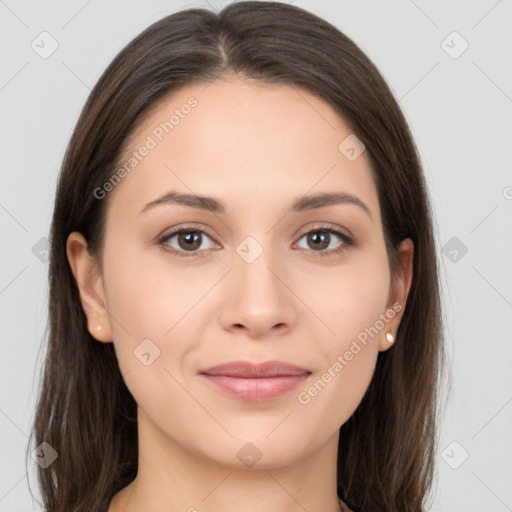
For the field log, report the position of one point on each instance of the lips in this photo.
(250, 370)
(255, 382)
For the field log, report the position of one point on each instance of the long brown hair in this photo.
(85, 411)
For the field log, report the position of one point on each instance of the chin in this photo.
(257, 451)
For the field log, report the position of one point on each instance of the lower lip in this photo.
(256, 389)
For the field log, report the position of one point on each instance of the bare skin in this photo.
(257, 148)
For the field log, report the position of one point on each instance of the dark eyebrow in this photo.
(201, 202)
(327, 199)
(300, 205)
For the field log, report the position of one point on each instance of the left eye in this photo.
(321, 238)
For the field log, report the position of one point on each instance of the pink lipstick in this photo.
(255, 382)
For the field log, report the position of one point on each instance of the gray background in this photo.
(459, 106)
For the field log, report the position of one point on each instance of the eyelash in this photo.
(347, 241)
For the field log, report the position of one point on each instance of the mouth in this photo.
(255, 382)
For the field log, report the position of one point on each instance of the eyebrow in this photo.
(214, 205)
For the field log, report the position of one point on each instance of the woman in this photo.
(244, 297)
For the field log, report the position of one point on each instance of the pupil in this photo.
(190, 238)
(319, 239)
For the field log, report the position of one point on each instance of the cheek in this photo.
(350, 306)
(147, 297)
(148, 306)
(349, 358)
(351, 299)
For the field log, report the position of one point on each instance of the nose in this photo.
(258, 299)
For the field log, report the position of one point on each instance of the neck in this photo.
(169, 474)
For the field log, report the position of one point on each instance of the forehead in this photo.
(244, 140)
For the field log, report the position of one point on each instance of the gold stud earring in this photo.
(390, 337)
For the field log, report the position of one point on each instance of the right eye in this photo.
(188, 240)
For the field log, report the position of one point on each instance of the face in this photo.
(265, 275)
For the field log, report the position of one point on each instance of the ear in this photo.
(398, 293)
(90, 286)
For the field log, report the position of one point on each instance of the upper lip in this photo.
(255, 370)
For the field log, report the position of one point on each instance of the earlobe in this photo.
(387, 338)
(89, 281)
(398, 293)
